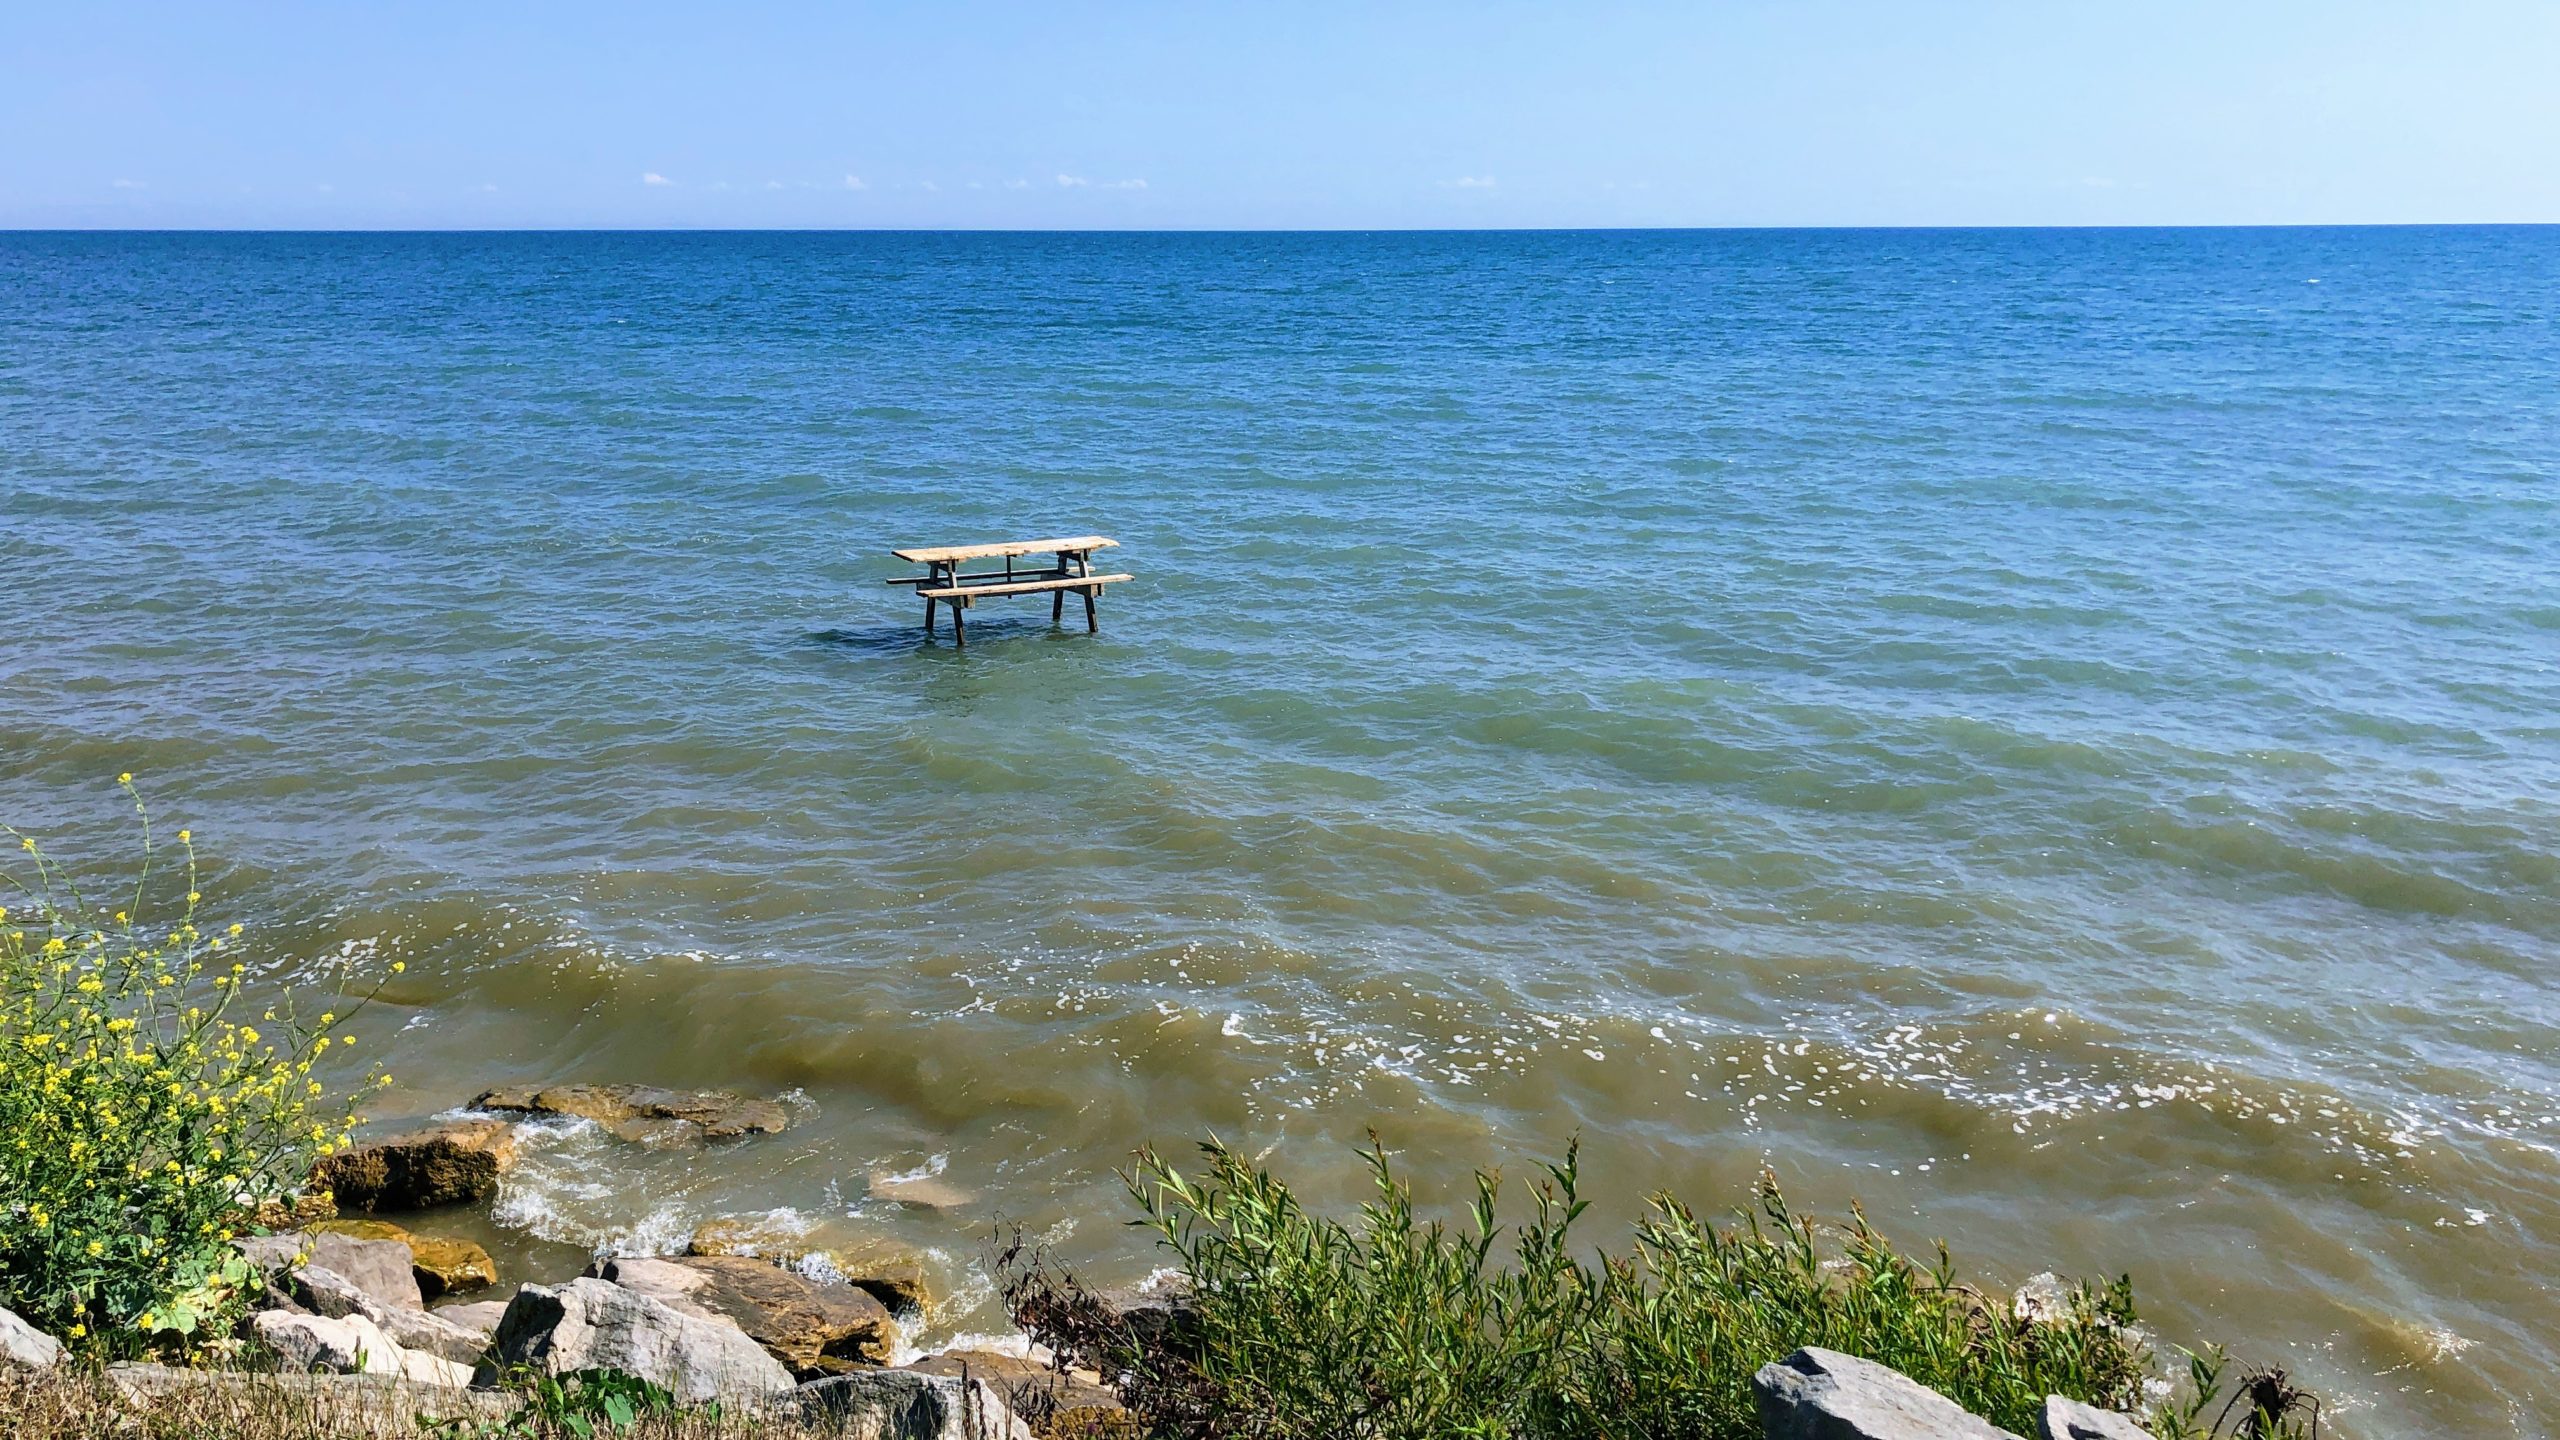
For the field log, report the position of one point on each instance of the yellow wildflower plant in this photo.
(158, 1123)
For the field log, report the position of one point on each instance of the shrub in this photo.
(143, 1120)
(1296, 1325)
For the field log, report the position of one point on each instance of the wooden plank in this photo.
(945, 554)
(1024, 587)
(938, 578)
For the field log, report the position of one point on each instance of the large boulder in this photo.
(381, 1268)
(2064, 1418)
(442, 1264)
(590, 1324)
(331, 1295)
(1825, 1395)
(24, 1347)
(645, 1114)
(1050, 1402)
(903, 1405)
(351, 1345)
(480, 1315)
(454, 1162)
(814, 1328)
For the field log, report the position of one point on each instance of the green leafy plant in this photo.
(145, 1116)
(1292, 1324)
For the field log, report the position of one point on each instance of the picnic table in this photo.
(944, 584)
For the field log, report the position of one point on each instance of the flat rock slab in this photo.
(895, 1276)
(814, 1328)
(1038, 1394)
(351, 1345)
(381, 1268)
(456, 1162)
(645, 1114)
(903, 1405)
(1826, 1395)
(589, 1324)
(2064, 1418)
(224, 1402)
(327, 1293)
(443, 1266)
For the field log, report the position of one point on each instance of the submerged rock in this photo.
(920, 1192)
(1825, 1395)
(589, 1324)
(645, 1114)
(24, 1347)
(2064, 1418)
(903, 1405)
(442, 1265)
(455, 1162)
(814, 1328)
(896, 1277)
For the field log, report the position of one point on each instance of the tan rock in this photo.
(920, 1192)
(896, 1277)
(455, 1162)
(645, 1114)
(1052, 1403)
(814, 1328)
(443, 1265)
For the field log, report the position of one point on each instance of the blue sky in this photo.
(1303, 115)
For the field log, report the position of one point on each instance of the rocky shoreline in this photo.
(360, 1312)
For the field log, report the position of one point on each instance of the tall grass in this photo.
(1302, 1327)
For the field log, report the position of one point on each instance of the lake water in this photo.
(2053, 735)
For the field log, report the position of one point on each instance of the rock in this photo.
(301, 1210)
(1156, 1313)
(589, 1324)
(480, 1315)
(895, 1277)
(903, 1405)
(452, 1163)
(920, 1192)
(1825, 1395)
(812, 1327)
(336, 1405)
(24, 1347)
(2064, 1418)
(442, 1265)
(333, 1296)
(351, 1345)
(1042, 1398)
(646, 1114)
(381, 1268)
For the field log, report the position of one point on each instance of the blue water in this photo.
(2049, 733)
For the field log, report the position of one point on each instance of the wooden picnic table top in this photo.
(953, 554)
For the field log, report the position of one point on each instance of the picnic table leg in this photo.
(1057, 605)
(960, 624)
(928, 615)
(1089, 626)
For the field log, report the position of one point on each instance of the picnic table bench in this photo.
(944, 584)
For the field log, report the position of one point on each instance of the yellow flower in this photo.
(76, 1331)
(148, 1321)
(186, 837)
(194, 895)
(96, 1248)
(397, 966)
(126, 779)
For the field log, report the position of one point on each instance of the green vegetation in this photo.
(144, 1119)
(1301, 1326)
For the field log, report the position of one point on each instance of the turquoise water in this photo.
(2047, 733)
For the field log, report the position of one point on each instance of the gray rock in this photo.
(2064, 1418)
(480, 1315)
(24, 1347)
(1825, 1395)
(1036, 1393)
(591, 1324)
(816, 1329)
(351, 1345)
(903, 1405)
(380, 1268)
(334, 1296)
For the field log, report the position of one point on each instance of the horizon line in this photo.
(1256, 230)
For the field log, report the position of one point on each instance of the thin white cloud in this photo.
(488, 189)
(325, 188)
(128, 185)
(977, 185)
(1126, 185)
(854, 182)
(1072, 182)
(652, 177)
(1017, 184)
(928, 185)
(1469, 182)
(773, 185)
